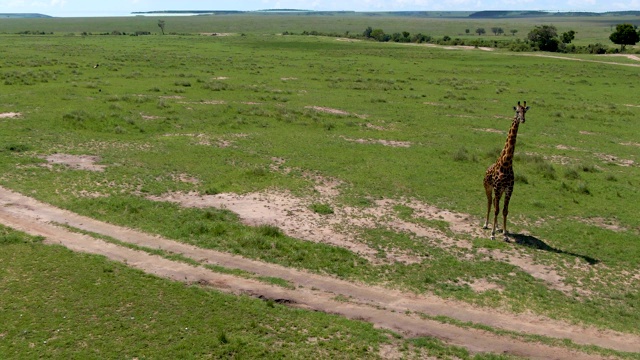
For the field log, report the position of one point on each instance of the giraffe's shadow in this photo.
(534, 242)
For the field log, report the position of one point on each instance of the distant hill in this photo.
(301, 12)
(22, 16)
(492, 14)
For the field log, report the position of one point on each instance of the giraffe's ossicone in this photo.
(499, 178)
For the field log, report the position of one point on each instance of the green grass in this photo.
(60, 304)
(220, 109)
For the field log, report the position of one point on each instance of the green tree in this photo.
(625, 34)
(497, 30)
(379, 35)
(513, 32)
(480, 31)
(161, 25)
(544, 37)
(466, 31)
(567, 37)
(367, 32)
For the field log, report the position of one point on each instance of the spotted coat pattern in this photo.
(499, 178)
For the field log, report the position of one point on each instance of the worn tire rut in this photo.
(383, 307)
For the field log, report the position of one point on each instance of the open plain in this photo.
(255, 194)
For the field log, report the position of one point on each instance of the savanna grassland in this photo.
(254, 112)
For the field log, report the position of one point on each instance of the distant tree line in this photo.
(540, 38)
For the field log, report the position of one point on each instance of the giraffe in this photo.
(499, 177)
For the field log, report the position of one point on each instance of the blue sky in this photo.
(125, 7)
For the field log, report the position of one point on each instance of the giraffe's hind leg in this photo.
(496, 204)
(505, 212)
(489, 191)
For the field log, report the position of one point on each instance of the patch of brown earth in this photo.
(383, 307)
(565, 147)
(216, 34)
(391, 143)
(495, 131)
(608, 224)
(334, 111)
(78, 162)
(292, 215)
(150, 117)
(346, 226)
(628, 56)
(185, 178)
(614, 160)
(10, 115)
(375, 127)
(630, 144)
(433, 103)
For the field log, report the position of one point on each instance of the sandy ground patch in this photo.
(628, 56)
(495, 131)
(9, 115)
(383, 307)
(608, 224)
(216, 34)
(390, 143)
(334, 111)
(204, 102)
(614, 160)
(78, 162)
(346, 226)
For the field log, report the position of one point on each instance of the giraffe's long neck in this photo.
(506, 156)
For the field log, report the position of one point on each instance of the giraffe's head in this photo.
(520, 111)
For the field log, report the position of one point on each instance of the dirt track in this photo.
(383, 307)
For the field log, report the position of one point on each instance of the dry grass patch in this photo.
(390, 143)
(78, 162)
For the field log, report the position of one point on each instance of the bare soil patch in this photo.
(334, 111)
(608, 224)
(346, 226)
(78, 162)
(9, 115)
(391, 143)
(628, 56)
(383, 307)
(614, 160)
(495, 131)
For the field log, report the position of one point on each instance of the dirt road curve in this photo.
(383, 307)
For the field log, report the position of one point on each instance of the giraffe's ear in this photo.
(527, 108)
